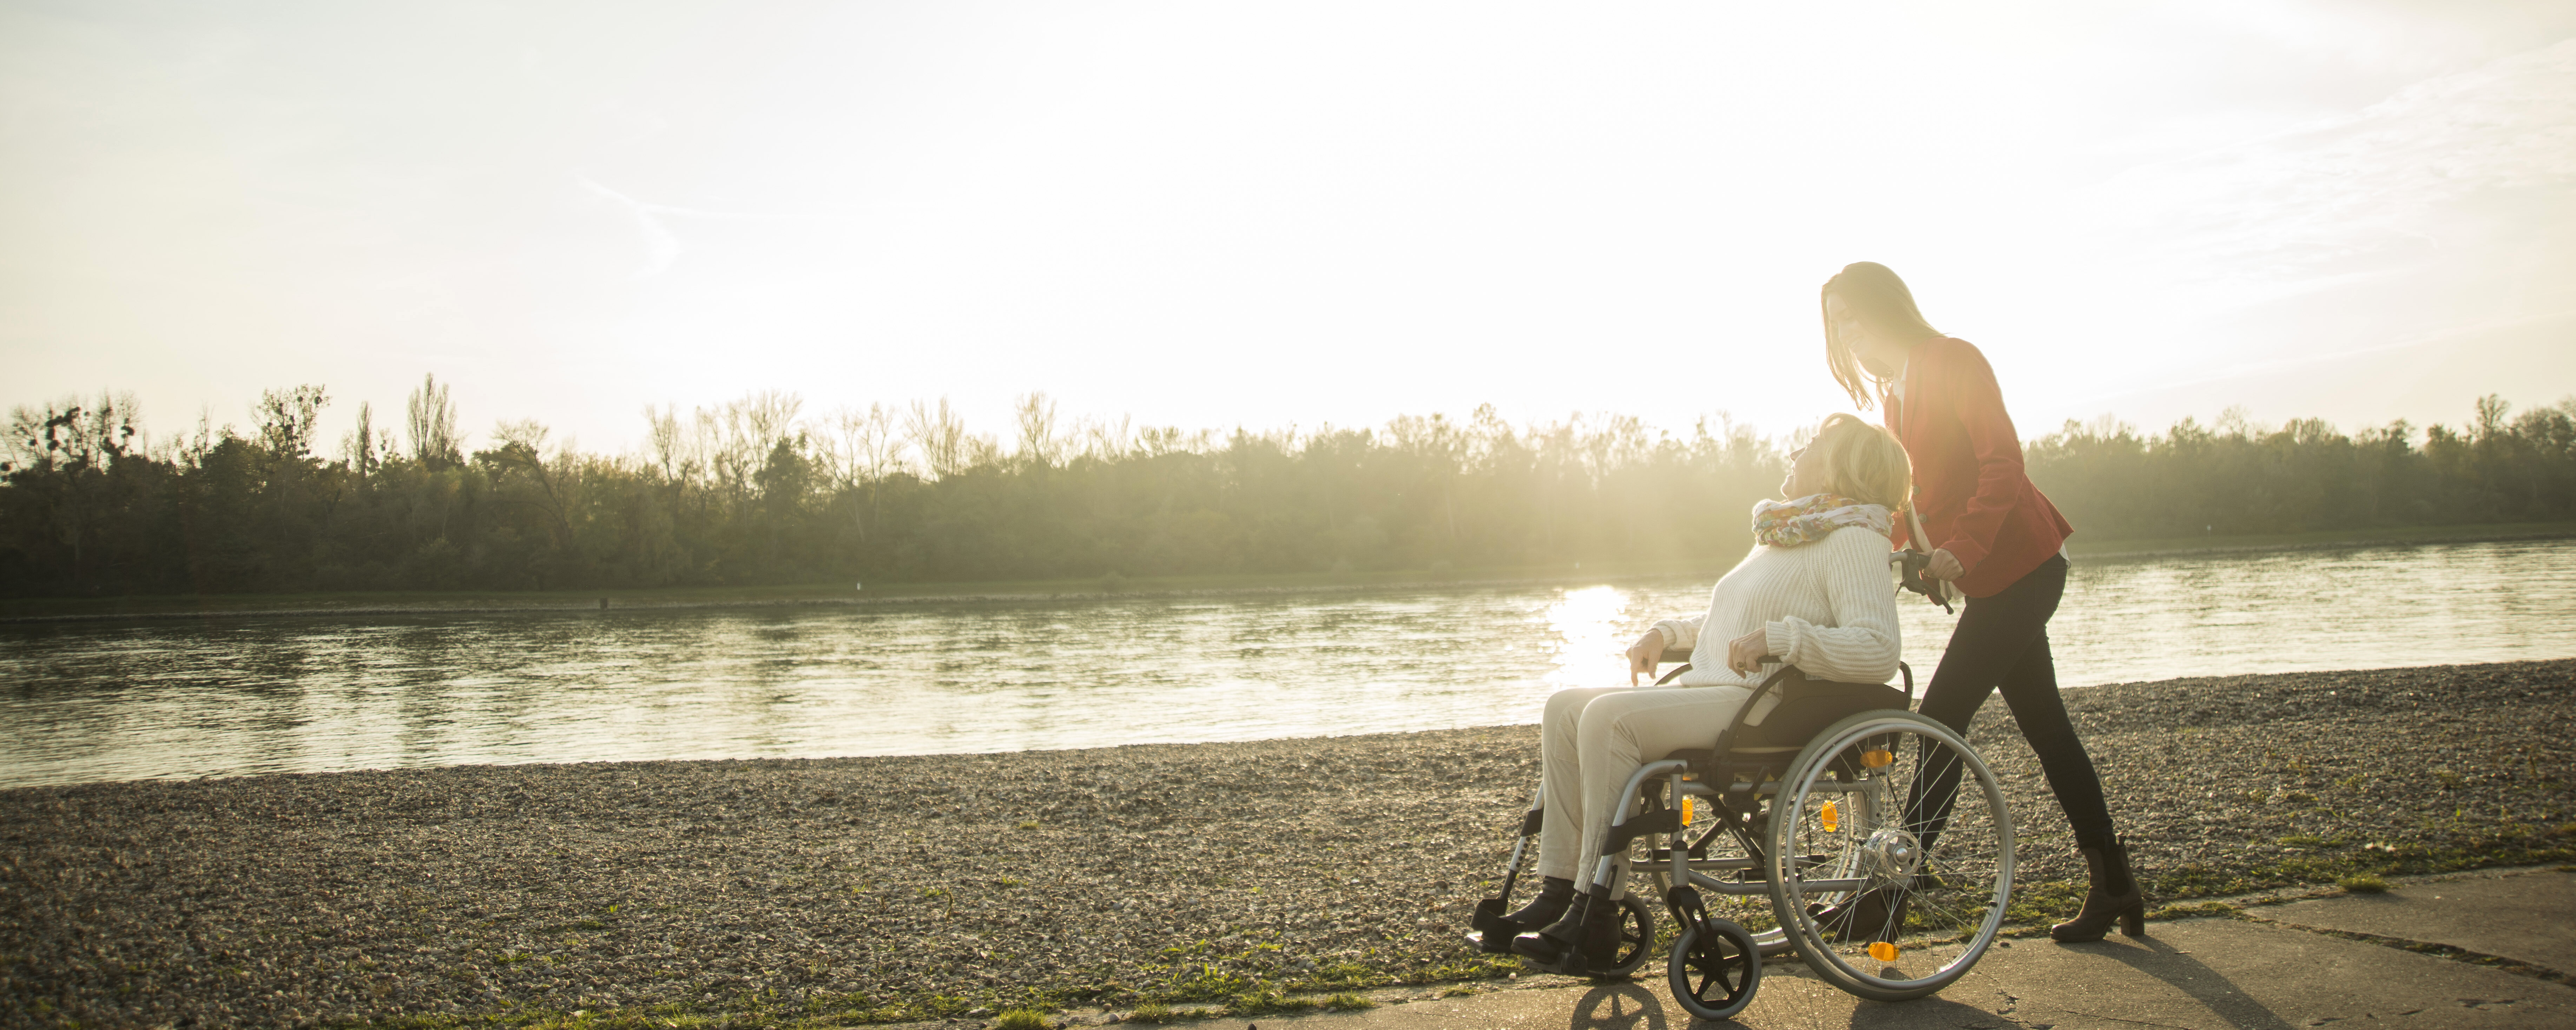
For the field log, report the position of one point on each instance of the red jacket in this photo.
(1968, 481)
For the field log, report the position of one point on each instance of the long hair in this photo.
(1862, 461)
(1881, 300)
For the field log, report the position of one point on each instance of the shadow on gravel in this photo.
(2161, 960)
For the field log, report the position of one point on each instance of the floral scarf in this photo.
(1814, 517)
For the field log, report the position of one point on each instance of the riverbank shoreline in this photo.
(810, 596)
(879, 890)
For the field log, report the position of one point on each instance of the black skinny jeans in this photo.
(2002, 643)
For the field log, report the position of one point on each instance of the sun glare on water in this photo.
(1588, 629)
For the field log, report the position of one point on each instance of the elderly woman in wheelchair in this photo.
(1781, 736)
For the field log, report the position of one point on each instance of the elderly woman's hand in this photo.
(1745, 653)
(1644, 655)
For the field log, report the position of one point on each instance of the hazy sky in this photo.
(1213, 214)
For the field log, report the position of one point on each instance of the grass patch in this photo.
(2335, 863)
(1259, 1002)
(2363, 883)
(1349, 1003)
(2192, 909)
(2313, 862)
(1020, 1019)
(1152, 1012)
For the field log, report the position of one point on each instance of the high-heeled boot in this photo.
(2115, 895)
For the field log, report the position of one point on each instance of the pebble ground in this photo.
(885, 889)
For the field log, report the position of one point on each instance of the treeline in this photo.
(756, 492)
(2234, 477)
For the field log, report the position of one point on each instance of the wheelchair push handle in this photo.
(1910, 565)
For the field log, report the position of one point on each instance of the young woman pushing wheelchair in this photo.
(1994, 537)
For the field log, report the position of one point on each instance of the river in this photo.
(226, 697)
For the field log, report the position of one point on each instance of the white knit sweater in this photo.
(1829, 608)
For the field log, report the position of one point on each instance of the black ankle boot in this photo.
(2114, 896)
(1599, 943)
(1581, 943)
(1494, 931)
(1555, 895)
(1547, 944)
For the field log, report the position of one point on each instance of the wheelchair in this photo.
(1869, 841)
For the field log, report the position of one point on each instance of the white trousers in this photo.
(1591, 741)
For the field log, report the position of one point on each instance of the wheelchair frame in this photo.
(1832, 765)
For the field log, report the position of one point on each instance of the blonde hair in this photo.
(1862, 461)
(1874, 293)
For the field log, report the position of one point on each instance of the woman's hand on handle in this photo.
(1744, 654)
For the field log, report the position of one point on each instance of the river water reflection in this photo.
(103, 701)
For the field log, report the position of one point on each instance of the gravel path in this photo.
(884, 889)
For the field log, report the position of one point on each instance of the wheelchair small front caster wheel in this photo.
(1713, 977)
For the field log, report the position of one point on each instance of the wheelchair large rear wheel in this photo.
(1636, 938)
(1891, 855)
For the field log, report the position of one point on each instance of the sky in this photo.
(1274, 215)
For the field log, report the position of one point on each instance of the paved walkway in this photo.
(2431, 954)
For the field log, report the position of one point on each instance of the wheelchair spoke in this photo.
(1898, 806)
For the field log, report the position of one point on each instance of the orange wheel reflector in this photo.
(1882, 951)
(1686, 810)
(1876, 758)
(1830, 816)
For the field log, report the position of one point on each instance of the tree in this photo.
(286, 421)
(359, 447)
(940, 436)
(1039, 443)
(430, 418)
(863, 449)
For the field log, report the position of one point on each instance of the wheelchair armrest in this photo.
(1671, 655)
(1726, 738)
